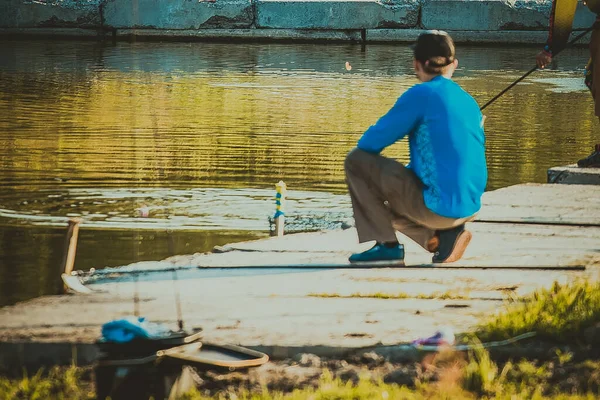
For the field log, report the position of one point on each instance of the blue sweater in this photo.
(446, 142)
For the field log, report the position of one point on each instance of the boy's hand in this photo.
(543, 58)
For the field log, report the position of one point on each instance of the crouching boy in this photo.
(432, 198)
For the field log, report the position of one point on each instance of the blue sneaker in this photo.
(380, 252)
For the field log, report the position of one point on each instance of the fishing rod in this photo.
(136, 297)
(575, 39)
(177, 302)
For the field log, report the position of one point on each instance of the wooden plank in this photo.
(527, 204)
(304, 260)
(291, 260)
(70, 249)
(543, 204)
(494, 245)
(486, 236)
(326, 241)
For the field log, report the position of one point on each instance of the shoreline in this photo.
(354, 21)
(356, 37)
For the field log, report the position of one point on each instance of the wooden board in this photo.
(486, 237)
(529, 226)
(549, 204)
(74, 285)
(212, 355)
(305, 260)
(494, 245)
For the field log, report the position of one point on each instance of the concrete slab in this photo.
(543, 204)
(281, 310)
(466, 36)
(372, 35)
(493, 246)
(52, 32)
(336, 14)
(333, 242)
(573, 175)
(469, 20)
(484, 15)
(244, 34)
(178, 14)
(53, 13)
(494, 15)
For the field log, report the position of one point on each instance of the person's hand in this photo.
(543, 58)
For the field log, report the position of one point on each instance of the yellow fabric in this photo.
(561, 23)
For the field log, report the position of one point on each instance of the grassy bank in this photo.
(56, 384)
(561, 314)
(447, 376)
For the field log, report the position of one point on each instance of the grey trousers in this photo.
(386, 196)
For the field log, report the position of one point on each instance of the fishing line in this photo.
(177, 301)
(534, 68)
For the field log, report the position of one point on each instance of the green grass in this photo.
(452, 376)
(449, 295)
(378, 295)
(57, 384)
(335, 389)
(478, 379)
(559, 314)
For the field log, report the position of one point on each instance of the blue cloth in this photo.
(129, 328)
(446, 141)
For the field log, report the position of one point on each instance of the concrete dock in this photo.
(360, 21)
(572, 175)
(526, 237)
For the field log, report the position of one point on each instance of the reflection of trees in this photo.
(30, 257)
(37, 80)
(30, 263)
(219, 115)
(532, 128)
(127, 246)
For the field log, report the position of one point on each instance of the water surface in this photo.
(171, 148)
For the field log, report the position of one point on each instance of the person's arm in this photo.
(561, 24)
(398, 122)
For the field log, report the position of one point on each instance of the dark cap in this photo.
(433, 44)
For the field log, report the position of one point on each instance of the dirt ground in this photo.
(306, 370)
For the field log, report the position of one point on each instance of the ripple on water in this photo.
(178, 209)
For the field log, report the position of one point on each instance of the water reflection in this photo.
(248, 115)
(30, 257)
(174, 209)
(129, 125)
